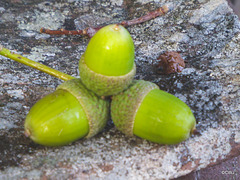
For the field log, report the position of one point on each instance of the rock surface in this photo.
(205, 32)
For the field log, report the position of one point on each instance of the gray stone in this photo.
(206, 32)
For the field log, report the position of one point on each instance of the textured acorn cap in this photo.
(96, 109)
(104, 85)
(124, 106)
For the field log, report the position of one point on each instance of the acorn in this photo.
(150, 113)
(107, 67)
(70, 113)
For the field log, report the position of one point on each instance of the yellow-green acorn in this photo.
(107, 66)
(150, 113)
(69, 113)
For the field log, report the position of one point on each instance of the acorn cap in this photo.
(107, 66)
(69, 113)
(96, 109)
(150, 113)
(124, 106)
(104, 85)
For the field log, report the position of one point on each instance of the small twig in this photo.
(16, 57)
(90, 31)
(151, 15)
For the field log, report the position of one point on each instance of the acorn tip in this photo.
(194, 131)
(27, 133)
(116, 27)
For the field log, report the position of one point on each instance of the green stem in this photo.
(16, 57)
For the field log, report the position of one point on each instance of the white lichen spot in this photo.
(116, 2)
(179, 37)
(51, 20)
(188, 71)
(16, 93)
(237, 137)
(2, 9)
(5, 124)
(41, 53)
(146, 1)
(181, 97)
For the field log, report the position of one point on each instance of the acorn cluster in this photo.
(78, 108)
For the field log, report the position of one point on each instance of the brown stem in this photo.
(90, 31)
(151, 15)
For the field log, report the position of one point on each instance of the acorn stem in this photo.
(90, 31)
(150, 15)
(17, 57)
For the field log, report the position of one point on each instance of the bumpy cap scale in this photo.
(69, 113)
(148, 112)
(107, 67)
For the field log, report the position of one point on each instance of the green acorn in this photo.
(107, 66)
(150, 113)
(69, 113)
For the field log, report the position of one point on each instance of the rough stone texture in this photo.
(206, 32)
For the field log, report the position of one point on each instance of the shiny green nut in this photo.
(70, 113)
(150, 113)
(107, 66)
